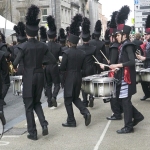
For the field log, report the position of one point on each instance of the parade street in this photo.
(99, 135)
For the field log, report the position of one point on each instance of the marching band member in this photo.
(98, 43)
(146, 59)
(4, 75)
(21, 38)
(114, 102)
(72, 63)
(52, 70)
(32, 52)
(43, 38)
(4, 69)
(43, 35)
(89, 67)
(127, 74)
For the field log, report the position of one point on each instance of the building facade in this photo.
(62, 10)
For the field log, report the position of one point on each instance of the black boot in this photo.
(87, 119)
(69, 124)
(54, 103)
(91, 101)
(144, 98)
(125, 130)
(32, 136)
(44, 130)
(49, 103)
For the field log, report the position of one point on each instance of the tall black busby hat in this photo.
(52, 27)
(147, 25)
(62, 36)
(22, 35)
(121, 18)
(43, 35)
(32, 21)
(86, 29)
(113, 25)
(98, 28)
(74, 29)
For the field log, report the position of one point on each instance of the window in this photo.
(22, 15)
(44, 15)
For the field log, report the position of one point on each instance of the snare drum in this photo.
(104, 87)
(145, 75)
(17, 85)
(138, 66)
(87, 82)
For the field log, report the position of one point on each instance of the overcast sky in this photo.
(108, 6)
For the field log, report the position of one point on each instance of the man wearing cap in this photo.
(89, 66)
(32, 52)
(72, 63)
(127, 74)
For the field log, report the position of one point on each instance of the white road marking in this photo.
(3, 143)
(10, 136)
(102, 136)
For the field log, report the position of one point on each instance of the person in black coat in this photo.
(21, 38)
(72, 63)
(146, 60)
(32, 52)
(99, 45)
(52, 70)
(3, 69)
(5, 76)
(114, 54)
(138, 42)
(127, 73)
(89, 67)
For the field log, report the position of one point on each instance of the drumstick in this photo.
(101, 64)
(104, 56)
(95, 58)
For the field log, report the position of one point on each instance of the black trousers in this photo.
(116, 107)
(85, 97)
(77, 102)
(34, 104)
(52, 77)
(146, 88)
(130, 112)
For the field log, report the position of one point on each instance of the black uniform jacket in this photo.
(32, 52)
(89, 65)
(114, 53)
(127, 58)
(3, 70)
(72, 63)
(3, 47)
(99, 46)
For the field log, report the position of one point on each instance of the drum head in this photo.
(1, 129)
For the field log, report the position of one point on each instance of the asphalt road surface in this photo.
(99, 135)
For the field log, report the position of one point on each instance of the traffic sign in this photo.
(136, 2)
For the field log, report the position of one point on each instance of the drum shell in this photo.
(138, 66)
(87, 85)
(145, 75)
(104, 88)
(17, 85)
